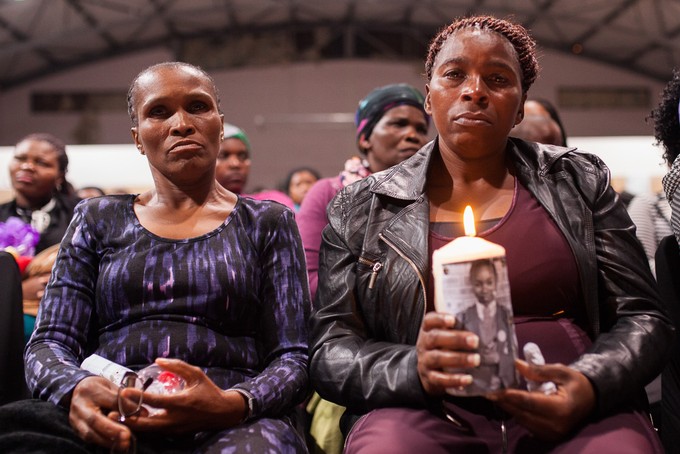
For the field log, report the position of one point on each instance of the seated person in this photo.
(44, 199)
(208, 285)
(233, 167)
(298, 183)
(580, 284)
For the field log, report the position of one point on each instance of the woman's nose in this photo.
(182, 125)
(414, 134)
(474, 89)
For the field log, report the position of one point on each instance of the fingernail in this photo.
(472, 341)
(466, 379)
(450, 320)
(474, 359)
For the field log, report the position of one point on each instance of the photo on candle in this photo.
(477, 292)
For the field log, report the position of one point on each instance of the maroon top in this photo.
(544, 281)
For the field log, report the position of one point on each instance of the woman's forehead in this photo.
(479, 39)
(167, 78)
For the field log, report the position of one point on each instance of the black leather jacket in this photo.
(374, 263)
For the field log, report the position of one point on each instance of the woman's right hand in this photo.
(439, 347)
(92, 399)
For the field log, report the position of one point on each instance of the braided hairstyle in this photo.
(521, 41)
(132, 92)
(666, 119)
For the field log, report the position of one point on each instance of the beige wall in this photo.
(278, 106)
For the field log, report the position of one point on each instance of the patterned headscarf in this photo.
(376, 103)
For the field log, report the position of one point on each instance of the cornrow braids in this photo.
(666, 119)
(521, 41)
(132, 91)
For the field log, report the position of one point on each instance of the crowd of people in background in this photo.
(302, 317)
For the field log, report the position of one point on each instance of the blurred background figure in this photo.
(667, 133)
(43, 198)
(90, 191)
(666, 120)
(391, 126)
(233, 167)
(298, 182)
(233, 160)
(538, 128)
(651, 214)
(540, 106)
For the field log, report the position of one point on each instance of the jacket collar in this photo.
(406, 181)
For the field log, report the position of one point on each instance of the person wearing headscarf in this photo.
(233, 167)
(391, 125)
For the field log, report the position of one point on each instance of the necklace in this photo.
(40, 218)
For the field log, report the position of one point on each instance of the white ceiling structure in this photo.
(43, 37)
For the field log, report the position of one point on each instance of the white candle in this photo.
(456, 293)
(462, 249)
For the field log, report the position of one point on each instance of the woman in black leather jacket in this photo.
(580, 283)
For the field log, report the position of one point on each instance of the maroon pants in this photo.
(404, 430)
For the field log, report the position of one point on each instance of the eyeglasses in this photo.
(130, 406)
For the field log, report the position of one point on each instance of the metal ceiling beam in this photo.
(21, 37)
(93, 23)
(609, 18)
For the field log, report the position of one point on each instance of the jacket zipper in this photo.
(375, 266)
(413, 265)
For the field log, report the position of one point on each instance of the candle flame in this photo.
(469, 221)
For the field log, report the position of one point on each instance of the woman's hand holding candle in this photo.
(441, 346)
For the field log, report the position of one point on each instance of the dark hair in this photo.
(521, 41)
(285, 183)
(132, 91)
(62, 158)
(666, 120)
(482, 263)
(552, 111)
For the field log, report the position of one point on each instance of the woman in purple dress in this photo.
(208, 285)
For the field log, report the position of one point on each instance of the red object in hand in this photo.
(170, 381)
(23, 262)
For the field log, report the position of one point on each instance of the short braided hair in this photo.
(666, 119)
(132, 92)
(519, 37)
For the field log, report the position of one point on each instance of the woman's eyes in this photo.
(156, 111)
(495, 78)
(193, 107)
(198, 106)
(454, 74)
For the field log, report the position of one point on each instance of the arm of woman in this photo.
(348, 365)
(63, 324)
(311, 220)
(284, 312)
(635, 334)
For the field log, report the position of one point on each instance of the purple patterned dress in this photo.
(233, 302)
